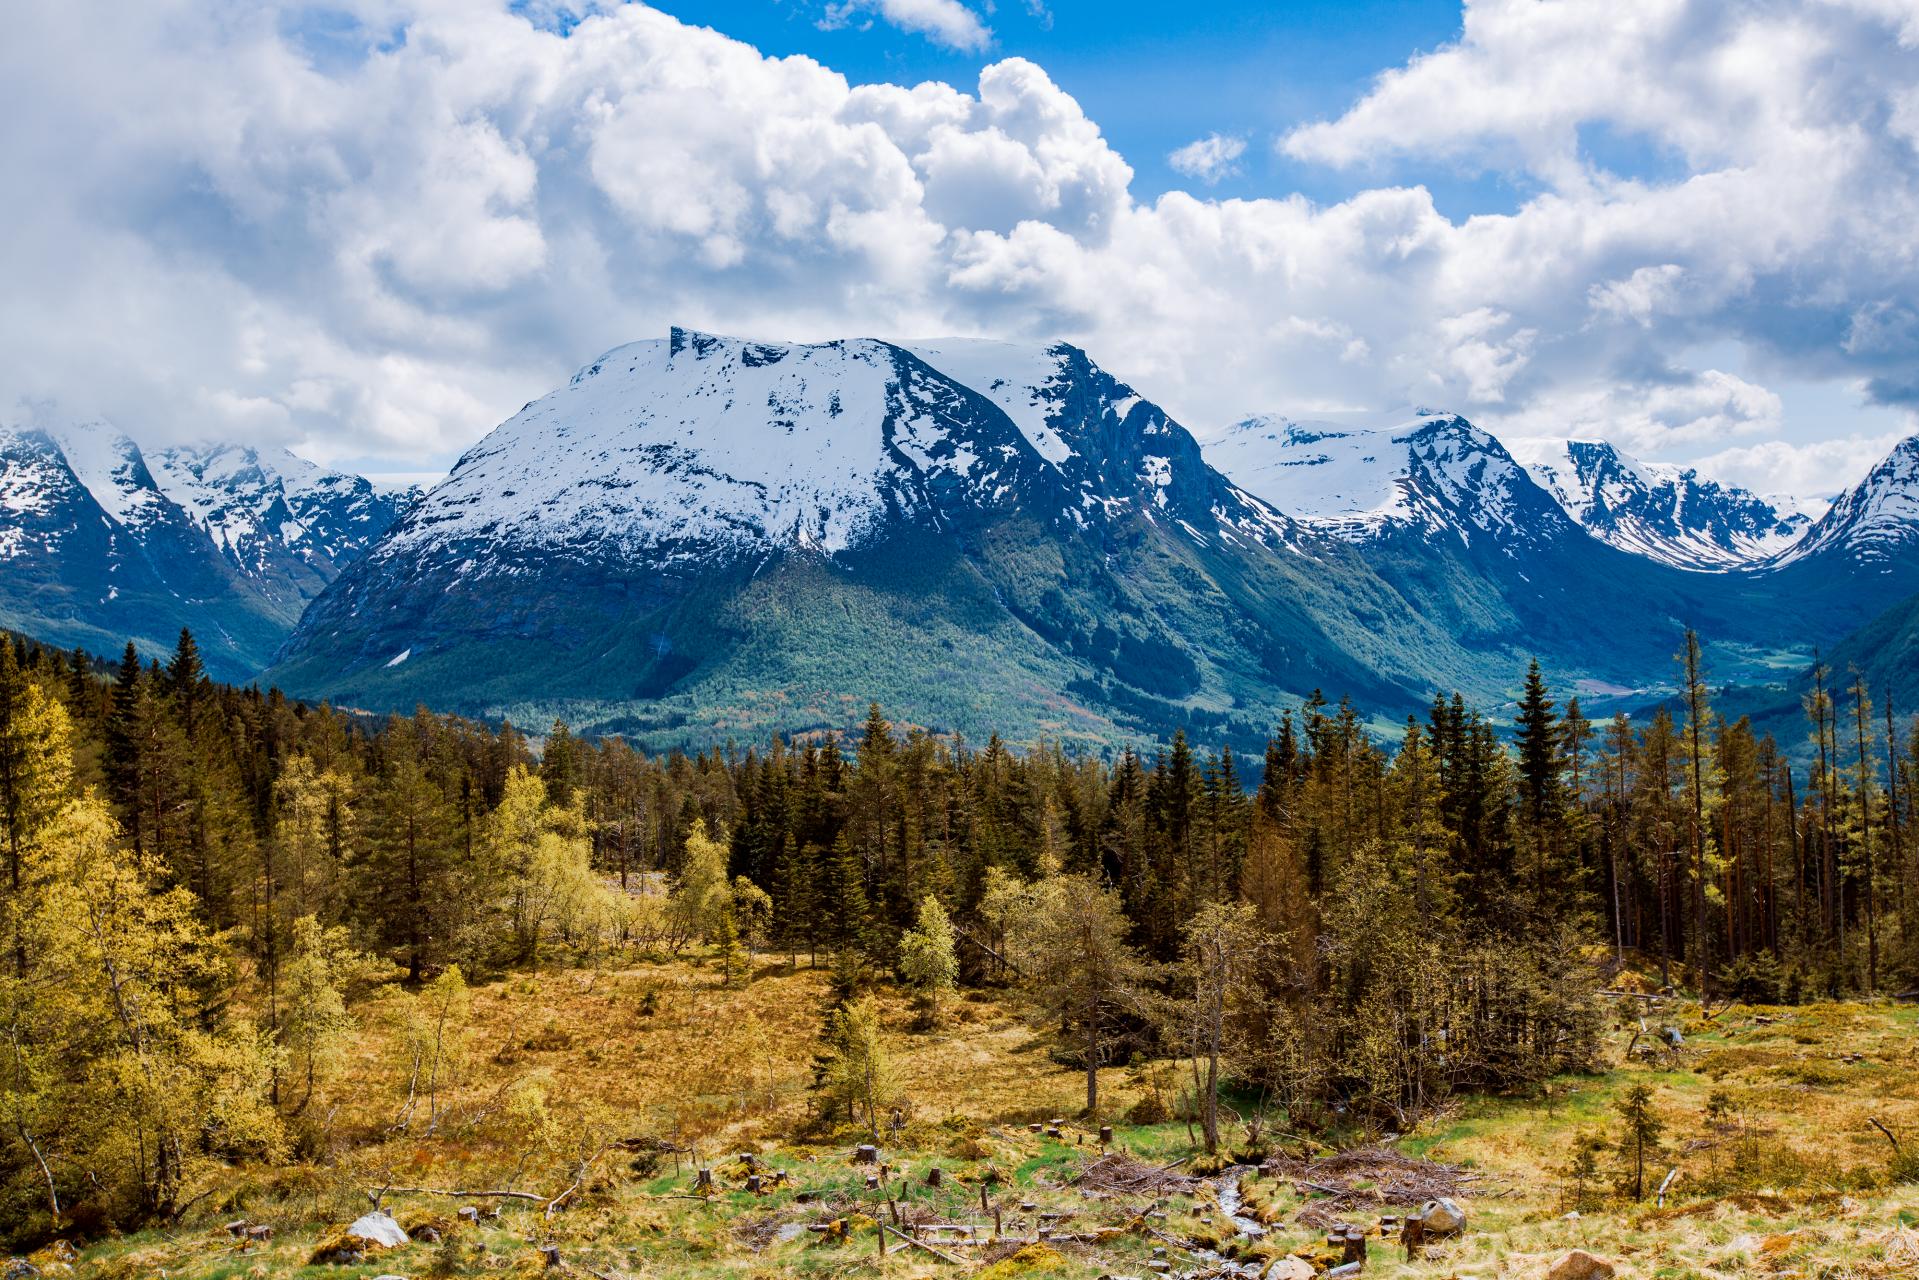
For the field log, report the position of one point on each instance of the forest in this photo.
(203, 882)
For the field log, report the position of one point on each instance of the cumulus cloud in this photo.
(1816, 470)
(944, 22)
(1210, 158)
(379, 227)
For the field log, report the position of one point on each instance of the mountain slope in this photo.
(101, 544)
(1665, 513)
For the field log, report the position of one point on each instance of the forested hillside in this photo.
(204, 883)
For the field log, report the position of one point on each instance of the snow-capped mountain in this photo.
(702, 446)
(1876, 522)
(103, 543)
(1434, 473)
(702, 535)
(1667, 513)
(984, 535)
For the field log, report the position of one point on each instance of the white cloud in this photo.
(1688, 412)
(1210, 158)
(379, 233)
(944, 22)
(1821, 468)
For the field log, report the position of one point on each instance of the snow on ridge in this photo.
(1876, 518)
(1021, 380)
(690, 437)
(113, 470)
(1664, 512)
(1433, 470)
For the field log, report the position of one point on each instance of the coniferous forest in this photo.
(200, 878)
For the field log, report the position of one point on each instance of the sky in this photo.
(371, 230)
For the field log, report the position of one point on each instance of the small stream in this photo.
(1227, 1186)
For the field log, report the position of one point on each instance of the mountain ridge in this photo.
(105, 542)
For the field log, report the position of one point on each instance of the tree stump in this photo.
(934, 1177)
(753, 1183)
(866, 1153)
(1106, 1135)
(1353, 1247)
(1412, 1234)
(551, 1253)
(703, 1181)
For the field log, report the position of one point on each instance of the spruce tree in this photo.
(845, 916)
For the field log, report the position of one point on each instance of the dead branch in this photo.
(1874, 1122)
(921, 1244)
(465, 1195)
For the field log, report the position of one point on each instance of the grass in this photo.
(1784, 1177)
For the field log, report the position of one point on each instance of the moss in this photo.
(1034, 1257)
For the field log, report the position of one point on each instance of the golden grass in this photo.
(1792, 1184)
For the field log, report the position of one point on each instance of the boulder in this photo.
(1580, 1265)
(1443, 1217)
(18, 1269)
(1289, 1269)
(378, 1228)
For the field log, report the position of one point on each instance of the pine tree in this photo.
(728, 950)
(795, 903)
(1641, 1138)
(844, 915)
(184, 674)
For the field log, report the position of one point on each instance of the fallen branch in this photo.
(921, 1244)
(464, 1195)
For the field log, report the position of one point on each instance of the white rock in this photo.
(380, 1229)
(1443, 1217)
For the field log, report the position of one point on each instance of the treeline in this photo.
(199, 878)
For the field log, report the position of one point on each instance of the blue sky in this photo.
(371, 229)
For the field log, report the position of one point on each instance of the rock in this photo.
(1580, 1265)
(469, 1213)
(1443, 1217)
(428, 1234)
(378, 1228)
(19, 1269)
(1289, 1269)
(237, 1228)
(389, 1277)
